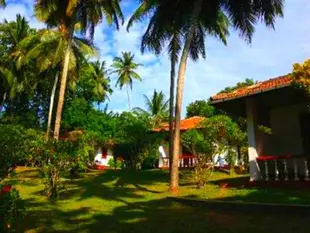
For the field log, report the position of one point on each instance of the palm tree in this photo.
(157, 108)
(68, 15)
(159, 31)
(125, 68)
(210, 17)
(99, 75)
(13, 76)
(48, 52)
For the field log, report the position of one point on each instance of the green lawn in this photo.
(126, 201)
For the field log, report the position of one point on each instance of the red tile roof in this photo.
(268, 85)
(185, 124)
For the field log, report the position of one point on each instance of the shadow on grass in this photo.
(115, 184)
(160, 216)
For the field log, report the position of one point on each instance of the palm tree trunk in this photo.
(128, 96)
(171, 109)
(63, 84)
(50, 112)
(174, 177)
(3, 102)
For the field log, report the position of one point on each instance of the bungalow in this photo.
(186, 159)
(283, 153)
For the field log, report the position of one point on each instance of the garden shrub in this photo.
(116, 163)
(11, 209)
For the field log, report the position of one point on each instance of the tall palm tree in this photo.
(67, 16)
(211, 17)
(125, 67)
(48, 51)
(169, 26)
(157, 107)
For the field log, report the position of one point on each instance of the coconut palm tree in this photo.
(47, 53)
(208, 17)
(13, 76)
(157, 107)
(68, 16)
(243, 16)
(125, 67)
(99, 76)
(160, 31)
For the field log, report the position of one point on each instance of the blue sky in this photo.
(271, 54)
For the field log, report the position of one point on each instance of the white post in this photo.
(295, 170)
(306, 170)
(285, 170)
(251, 123)
(266, 171)
(276, 170)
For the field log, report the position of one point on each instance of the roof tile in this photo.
(258, 87)
(185, 124)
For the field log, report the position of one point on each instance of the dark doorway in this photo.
(305, 132)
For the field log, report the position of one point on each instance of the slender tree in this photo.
(200, 18)
(67, 16)
(243, 16)
(162, 29)
(47, 53)
(125, 67)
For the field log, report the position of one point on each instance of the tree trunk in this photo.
(128, 96)
(174, 177)
(171, 109)
(63, 84)
(50, 112)
(3, 102)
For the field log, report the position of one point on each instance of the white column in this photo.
(251, 124)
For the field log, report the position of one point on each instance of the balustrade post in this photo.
(276, 170)
(285, 170)
(266, 171)
(306, 170)
(295, 170)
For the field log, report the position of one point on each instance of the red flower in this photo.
(6, 188)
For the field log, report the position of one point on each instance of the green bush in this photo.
(18, 145)
(11, 209)
(116, 163)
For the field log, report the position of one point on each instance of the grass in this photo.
(127, 201)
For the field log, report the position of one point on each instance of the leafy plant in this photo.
(216, 135)
(11, 209)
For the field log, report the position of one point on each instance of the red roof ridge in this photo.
(185, 124)
(278, 82)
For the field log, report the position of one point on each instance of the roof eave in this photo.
(249, 94)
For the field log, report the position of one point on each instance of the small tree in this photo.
(217, 134)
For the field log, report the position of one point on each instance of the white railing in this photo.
(284, 167)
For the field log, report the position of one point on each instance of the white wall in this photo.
(101, 161)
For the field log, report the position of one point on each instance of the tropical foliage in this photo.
(200, 108)
(157, 108)
(301, 75)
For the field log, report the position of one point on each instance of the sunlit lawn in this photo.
(127, 201)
